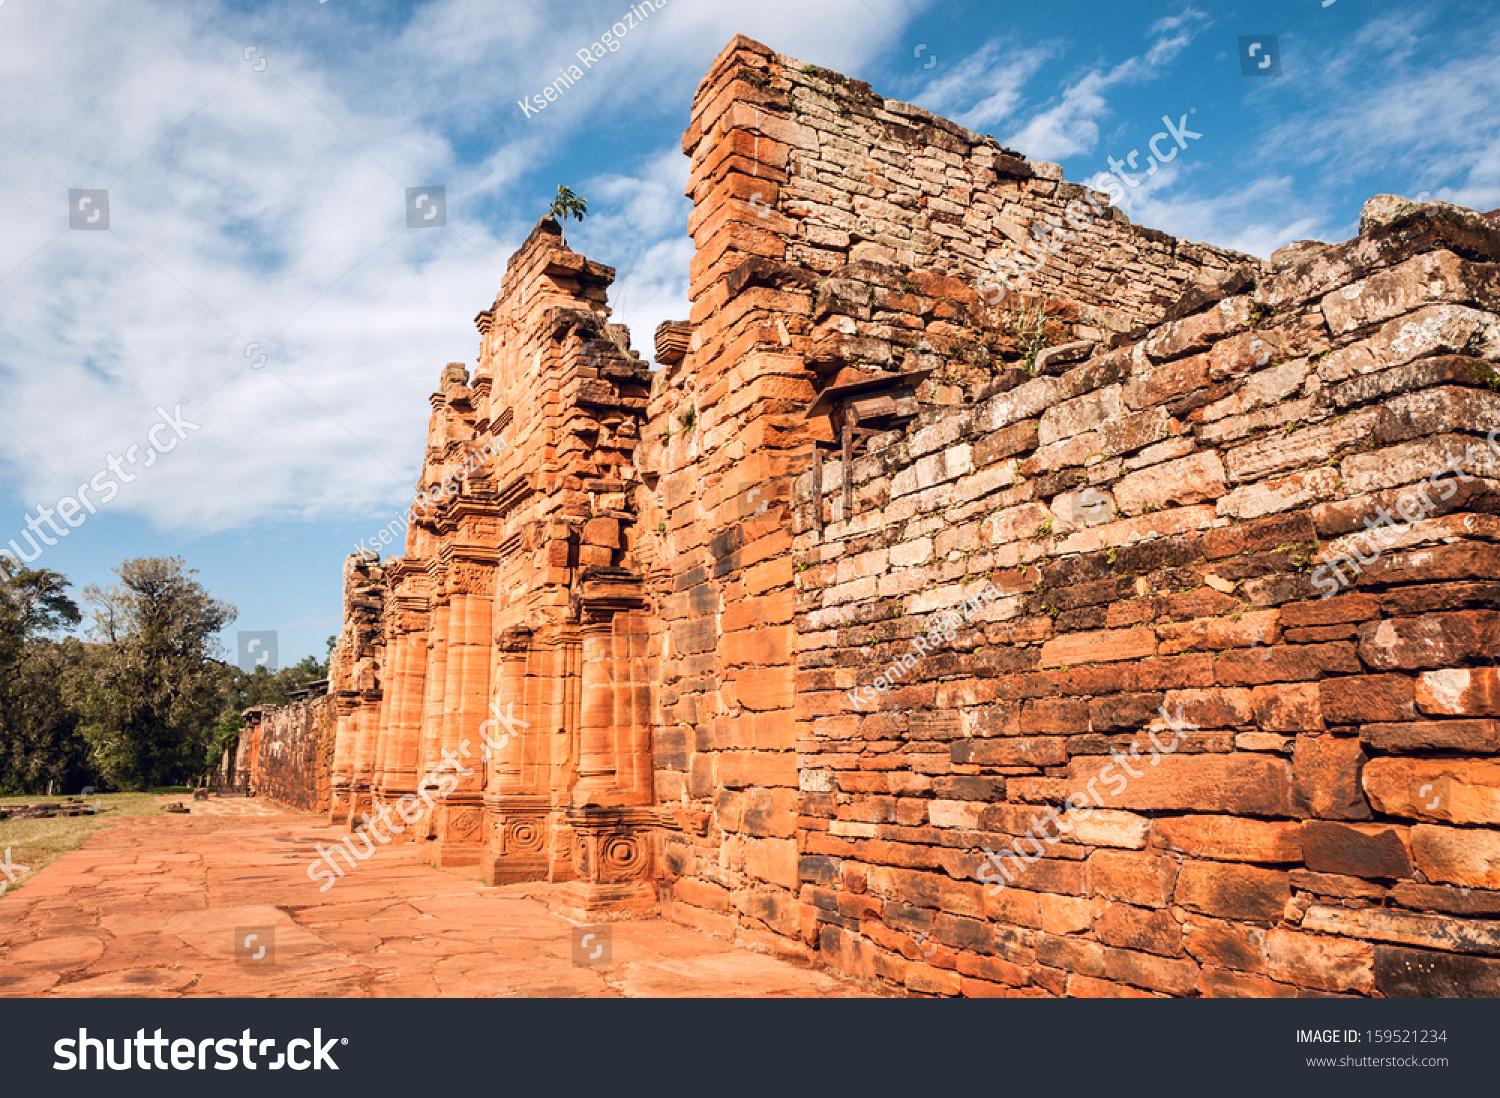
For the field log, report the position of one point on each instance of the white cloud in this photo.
(644, 237)
(251, 218)
(1070, 125)
(996, 72)
(1256, 218)
(267, 207)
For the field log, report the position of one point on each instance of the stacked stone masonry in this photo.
(284, 752)
(664, 634)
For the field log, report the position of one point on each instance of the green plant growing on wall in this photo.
(1028, 327)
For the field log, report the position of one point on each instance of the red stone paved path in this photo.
(150, 906)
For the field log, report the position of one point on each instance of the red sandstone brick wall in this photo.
(285, 753)
(1329, 822)
(833, 229)
(808, 169)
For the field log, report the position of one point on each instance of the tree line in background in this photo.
(140, 700)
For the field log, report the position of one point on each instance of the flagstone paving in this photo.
(154, 906)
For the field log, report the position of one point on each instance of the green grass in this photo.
(37, 843)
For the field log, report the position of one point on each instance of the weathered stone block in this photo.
(1424, 974)
(1074, 417)
(1217, 708)
(1458, 693)
(1469, 858)
(1429, 641)
(1295, 707)
(1143, 879)
(1431, 277)
(1435, 330)
(1327, 775)
(1372, 851)
(1152, 931)
(1238, 784)
(1232, 891)
(1367, 698)
(1225, 944)
(1230, 838)
(1100, 647)
(1193, 479)
(1105, 827)
(1481, 737)
(1175, 976)
(1312, 960)
(1407, 928)
(1461, 791)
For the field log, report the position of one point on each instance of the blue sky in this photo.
(256, 158)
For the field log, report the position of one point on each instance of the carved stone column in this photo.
(516, 809)
(556, 753)
(381, 737)
(596, 727)
(340, 795)
(611, 829)
(386, 748)
(460, 815)
(368, 721)
(432, 713)
(402, 713)
(403, 774)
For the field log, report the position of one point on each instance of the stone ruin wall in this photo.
(837, 233)
(285, 753)
(1155, 521)
(641, 572)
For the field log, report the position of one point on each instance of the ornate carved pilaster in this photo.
(354, 683)
(519, 831)
(367, 721)
(459, 817)
(432, 712)
(612, 865)
(345, 707)
(596, 732)
(516, 810)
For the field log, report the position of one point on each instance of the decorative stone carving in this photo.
(612, 862)
(465, 823)
(524, 835)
